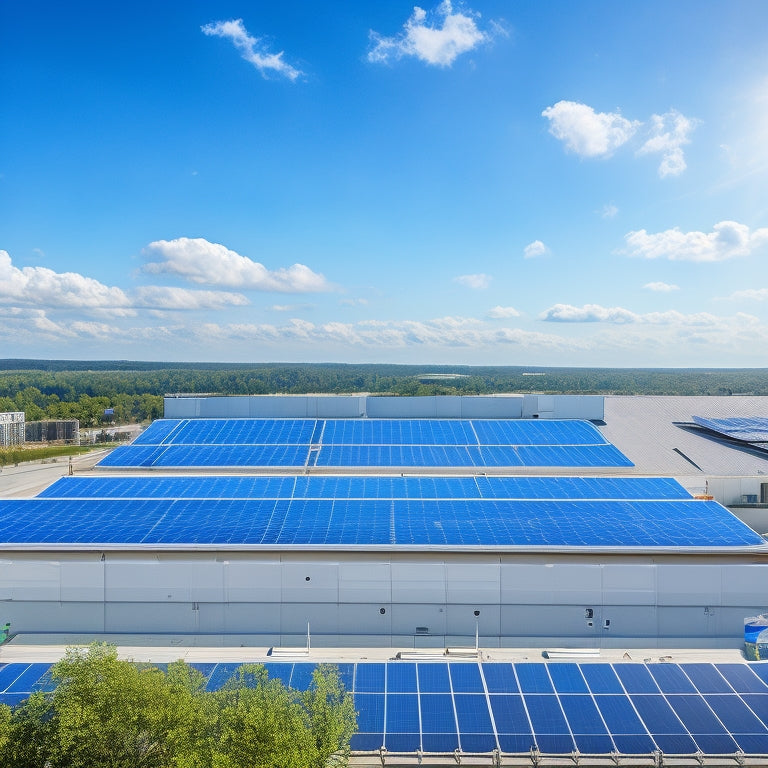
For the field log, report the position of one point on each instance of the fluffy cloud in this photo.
(436, 38)
(43, 288)
(473, 281)
(661, 287)
(161, 297)
(39, 286)
(535, 249)
(502, 313)
(599, 134)
(594, 313)
(199, 261)
(252, 49)
(608, 211)
(728, 240)
(750, 294)
(586, 132)
(668, 133)
(439, 332)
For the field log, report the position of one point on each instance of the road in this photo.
(30, 477)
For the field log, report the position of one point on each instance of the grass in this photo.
(18, 454)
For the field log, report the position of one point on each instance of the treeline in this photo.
(114, 714)
(83, 390)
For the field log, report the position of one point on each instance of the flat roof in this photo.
(456, 513)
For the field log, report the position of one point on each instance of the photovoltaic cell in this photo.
(455, 522)
(597, 723)
(751, 429)
(567, 678)
(367, 443)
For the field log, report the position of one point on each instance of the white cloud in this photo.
(586, 132)
(440, 333)
(42, 287)
(289, 307)
(728, 240)
(161, 297)
(535, 249)
(608, 211)
(252, 49)
(750, 294)
(502, 313)
(473, 281)
(599, 134)
(199, 261)
(668, 134)
(661, 287)
(594, 313)
(589, 313)
(354, 302)
(436, 38)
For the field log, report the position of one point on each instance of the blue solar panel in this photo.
(500, 678)
(636, 724)
(433, 678)
(567, 678)
(601, 678)
(533, 678)
(402, 728)
(366, 487)
(741, 678)
(465, 678)
(549, 724)
(536, 432)
(157, 431)
(456, 522)
(437, 713)
(636, 678)
(706, 678)
(401, 678)
(367, 443)
(671, 679)
(751, 429)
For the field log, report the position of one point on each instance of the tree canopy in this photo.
(111, 713)
(83, 390)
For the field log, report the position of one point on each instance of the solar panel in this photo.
(328, 522)
(750, 429)
(545, 717)
(367, 443)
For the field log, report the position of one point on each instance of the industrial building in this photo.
(439, 539)
(52, 431)
(11, 429)
(431, 527)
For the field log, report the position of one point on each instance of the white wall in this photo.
(379, 599)
(356, 406)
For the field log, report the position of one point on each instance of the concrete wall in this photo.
(563, 407)
(389, 600)
(357, 406)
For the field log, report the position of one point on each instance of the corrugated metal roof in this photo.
(650, 432)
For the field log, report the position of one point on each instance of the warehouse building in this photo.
(406, 532)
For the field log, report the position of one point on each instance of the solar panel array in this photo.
(752, 429)
(364, 487)
(371, 512)
(298, 443)
(595, 708)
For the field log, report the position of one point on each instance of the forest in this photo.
(83, 390)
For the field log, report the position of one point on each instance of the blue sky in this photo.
(489, 183)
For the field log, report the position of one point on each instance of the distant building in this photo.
(11, 429)
(61, 430)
